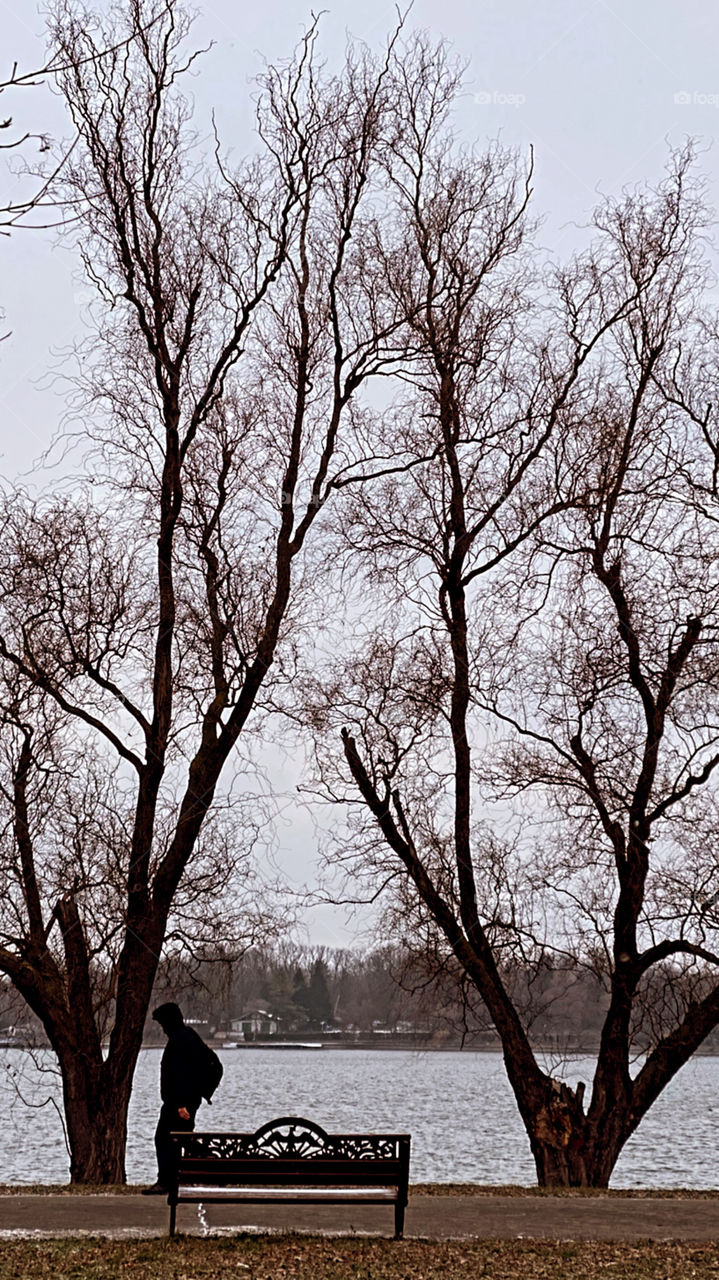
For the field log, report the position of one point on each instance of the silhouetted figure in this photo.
(189, 1072)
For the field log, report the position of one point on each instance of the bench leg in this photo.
(399, 1221)
(173, 1211)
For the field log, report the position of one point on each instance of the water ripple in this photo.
(458, 1107)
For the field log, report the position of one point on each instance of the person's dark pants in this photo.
(169, 1122)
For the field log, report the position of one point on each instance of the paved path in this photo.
(437, 1217)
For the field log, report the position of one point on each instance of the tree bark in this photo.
(96, 1135)
(96, 1101)
(569, 1149)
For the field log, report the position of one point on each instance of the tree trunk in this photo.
(563, 1166)
(96, 1121)
(573, 1160)
(569, 1150)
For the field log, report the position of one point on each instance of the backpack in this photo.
(211, 1073)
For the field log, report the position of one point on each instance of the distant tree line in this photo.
(563, 1004)
(325, 990)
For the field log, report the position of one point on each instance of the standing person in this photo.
(189, 1072)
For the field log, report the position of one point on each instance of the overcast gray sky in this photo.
(599, 90)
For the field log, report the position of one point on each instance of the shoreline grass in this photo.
(417, 1189)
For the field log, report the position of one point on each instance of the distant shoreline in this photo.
(383, 1046)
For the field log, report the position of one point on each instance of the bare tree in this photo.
(154, 617)
(13, 139)
(613, 691)
(540, 568)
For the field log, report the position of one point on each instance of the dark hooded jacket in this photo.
(183, 1070)
(185, 1061)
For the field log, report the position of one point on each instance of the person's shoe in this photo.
(156, 1189)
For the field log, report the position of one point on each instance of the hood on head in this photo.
(169, 1016)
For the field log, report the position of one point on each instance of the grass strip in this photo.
(291, 1257)
(417, 1189)
(571, 1193)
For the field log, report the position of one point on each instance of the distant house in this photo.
(255, 1023)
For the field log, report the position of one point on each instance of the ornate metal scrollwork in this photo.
(290, 1137)
(370, 1147)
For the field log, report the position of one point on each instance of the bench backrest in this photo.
(291, 1149)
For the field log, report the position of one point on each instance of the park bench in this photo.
(291, 1160)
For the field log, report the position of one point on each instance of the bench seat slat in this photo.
(276, 1171)
(337, 1195)
(310, 1177)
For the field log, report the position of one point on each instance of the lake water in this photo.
(458, 1108)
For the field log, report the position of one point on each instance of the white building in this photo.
(255, 1023)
